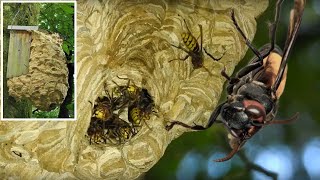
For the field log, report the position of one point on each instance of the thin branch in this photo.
(15, 14)
(252, 166)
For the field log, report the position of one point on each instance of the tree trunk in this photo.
(17, 14)
(64, 111)
(133, 39)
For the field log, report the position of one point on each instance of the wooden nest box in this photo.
(37, 68)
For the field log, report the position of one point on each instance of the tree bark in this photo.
(132, 39)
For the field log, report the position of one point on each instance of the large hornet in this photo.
(254, 92)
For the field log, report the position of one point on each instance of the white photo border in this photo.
(75, 62)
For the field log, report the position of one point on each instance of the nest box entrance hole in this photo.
(19, 50)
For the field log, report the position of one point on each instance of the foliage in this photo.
(20, 14)
(44, 114)
(71, 107)
(59, 18)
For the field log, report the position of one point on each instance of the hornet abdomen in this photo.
(191, 42)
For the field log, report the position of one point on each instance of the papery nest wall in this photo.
(132, 39)
(46, 83)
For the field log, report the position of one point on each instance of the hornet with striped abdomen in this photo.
(139, 112)
(194, 49)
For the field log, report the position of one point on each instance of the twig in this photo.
(16, 14)
(252, 166)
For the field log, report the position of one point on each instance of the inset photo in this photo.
(38, 60)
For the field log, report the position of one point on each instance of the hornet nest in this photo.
(46, 83)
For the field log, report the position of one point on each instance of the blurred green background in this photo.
(291, 151)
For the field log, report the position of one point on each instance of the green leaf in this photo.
(72, 59)
(67, 9)
(70, 107)
(65, 48)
